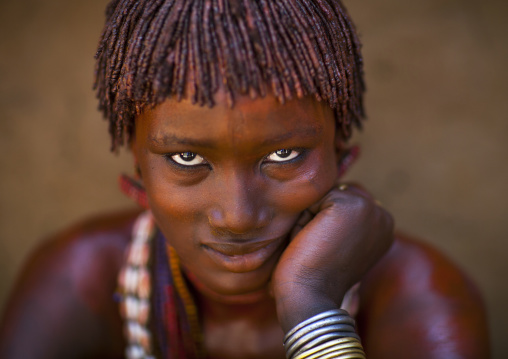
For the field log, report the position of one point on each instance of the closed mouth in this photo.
(238, 249)
(243, 257)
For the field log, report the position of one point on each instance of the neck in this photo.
(230, 306)
(260, 295)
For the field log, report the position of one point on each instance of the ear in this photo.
(345, 155)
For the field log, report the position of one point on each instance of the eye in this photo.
(187, 159)
(283, 155)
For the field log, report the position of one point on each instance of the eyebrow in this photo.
(172, 139)
(303, 132)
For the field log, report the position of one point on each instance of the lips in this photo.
(243, 257)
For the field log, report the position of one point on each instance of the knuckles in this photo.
(351, 204)
(357, 208)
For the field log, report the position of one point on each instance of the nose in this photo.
(239, 206)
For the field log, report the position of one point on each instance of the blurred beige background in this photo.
(435, 147)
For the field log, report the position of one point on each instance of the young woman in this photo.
(238, 115)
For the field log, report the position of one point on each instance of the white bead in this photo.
(143, 283)
(131, 280)
(135, 352)
(131, 308)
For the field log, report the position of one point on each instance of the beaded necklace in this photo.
(136, 291)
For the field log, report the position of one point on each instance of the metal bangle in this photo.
(341, 343)
(353, 355)
(328, 313)
(348, 338)
(337, 347)
(297, 349)
(347, 322)
(307, 337)
(334, 353)
(330, 334)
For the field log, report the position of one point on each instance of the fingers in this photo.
(344, 193)
(348, 206)
(354, 187)
(357, 188)
(304, 218)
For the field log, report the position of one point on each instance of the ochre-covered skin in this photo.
(447, 320)
(62, 305)
(240, 195)
(415, 303)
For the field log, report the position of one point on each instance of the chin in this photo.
(233, 287)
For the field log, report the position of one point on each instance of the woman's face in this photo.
(226, 186)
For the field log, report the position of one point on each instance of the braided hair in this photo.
(154, 49)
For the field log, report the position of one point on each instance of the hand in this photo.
(335, 242)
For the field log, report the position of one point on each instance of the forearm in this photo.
(296, 305)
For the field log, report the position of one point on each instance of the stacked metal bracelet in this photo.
(330, 334)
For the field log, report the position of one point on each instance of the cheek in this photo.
(166, 195)
(311, 184)
(176, 209)
(177, 204)
(177, 214)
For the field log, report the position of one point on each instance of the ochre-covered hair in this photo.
(154, 49)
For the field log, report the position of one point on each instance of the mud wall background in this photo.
(435, 147)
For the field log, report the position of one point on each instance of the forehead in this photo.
(253, 119)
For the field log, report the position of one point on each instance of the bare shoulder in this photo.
(417, 301)
(63, 302)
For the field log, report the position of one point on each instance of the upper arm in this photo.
(46, 317)
(416, 303)
(62, 305)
